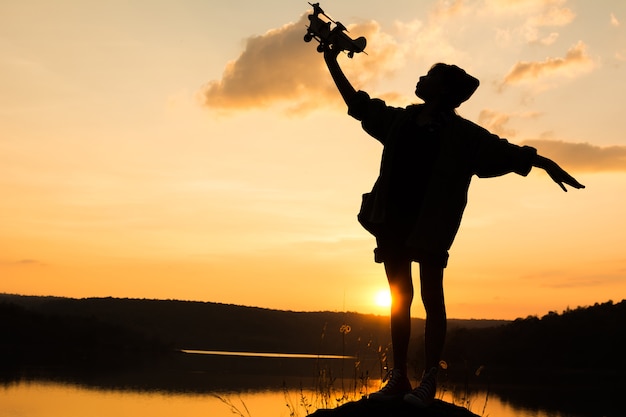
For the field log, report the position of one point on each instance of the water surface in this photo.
(226, 384)
(54, 399)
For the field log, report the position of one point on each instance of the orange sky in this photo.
(196, 151)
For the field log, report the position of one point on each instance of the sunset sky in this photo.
(198, 150)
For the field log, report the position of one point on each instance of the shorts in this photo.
(393, 246)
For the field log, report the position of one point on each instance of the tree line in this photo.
(75, 330)
(575, 342)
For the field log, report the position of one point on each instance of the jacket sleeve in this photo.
(376, 117)
(496, 156)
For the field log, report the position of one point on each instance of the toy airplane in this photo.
(336, 38)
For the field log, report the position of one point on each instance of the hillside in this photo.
(214, 326)
(74, 332)
(578, 340)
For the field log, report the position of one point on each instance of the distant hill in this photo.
(215, 326)
(574, 344)
(582, 339)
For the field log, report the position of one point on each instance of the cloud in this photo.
(614, 21)
(575, 62)
(25, 263)
(582, 157)
(276, 65)
(495, 122)
(552, 13)
(547, 40)
(279, 66)
(449, 8)
(538, 14)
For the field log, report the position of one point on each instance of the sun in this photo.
(382, 298)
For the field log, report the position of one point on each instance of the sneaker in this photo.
(424, 394)
(397, 386)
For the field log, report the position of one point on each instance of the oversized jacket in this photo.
(466, 150)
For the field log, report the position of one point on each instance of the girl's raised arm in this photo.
(343, 85)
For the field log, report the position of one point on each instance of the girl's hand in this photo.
(558, 174)
(331, 53)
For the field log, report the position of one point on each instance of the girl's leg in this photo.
(401, 286)
(431, 280)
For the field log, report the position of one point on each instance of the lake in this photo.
(222, 384)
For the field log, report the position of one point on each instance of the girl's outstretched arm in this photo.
(557, 173)
(343, 85)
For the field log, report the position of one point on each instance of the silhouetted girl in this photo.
(414, 210)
